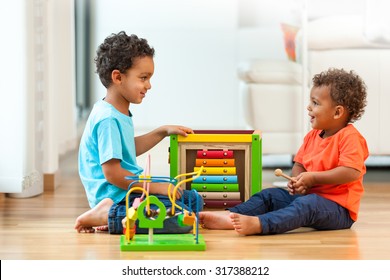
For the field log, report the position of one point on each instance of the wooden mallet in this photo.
(279, 172)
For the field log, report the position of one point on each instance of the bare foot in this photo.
(102, 228)
(245, 225)
(97, 216)
(215, 220)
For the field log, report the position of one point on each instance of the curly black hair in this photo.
(118, 51)
(346, 89)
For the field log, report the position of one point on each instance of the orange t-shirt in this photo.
(346, 148)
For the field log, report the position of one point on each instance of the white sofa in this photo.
(271, 93)
(273, 97)
(354, 35)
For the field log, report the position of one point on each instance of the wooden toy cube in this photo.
(232, 164)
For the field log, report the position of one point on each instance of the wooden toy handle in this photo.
(279, 172)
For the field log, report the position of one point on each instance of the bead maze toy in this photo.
(148, 218)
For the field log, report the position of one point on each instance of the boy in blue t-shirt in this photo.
(108, 147)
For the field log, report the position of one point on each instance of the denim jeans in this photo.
(191, 199)
(279, 212)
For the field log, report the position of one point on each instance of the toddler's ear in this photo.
(340, 112)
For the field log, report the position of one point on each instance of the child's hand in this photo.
(163, 190)
(290, 187)
(176, 129)
(304, 183)
(179, 191)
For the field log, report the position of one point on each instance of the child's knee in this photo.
(198, 203)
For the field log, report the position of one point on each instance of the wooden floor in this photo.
(42, 228)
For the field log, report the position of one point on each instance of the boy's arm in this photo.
(297, 169)
(115, 175)
(338, 175)
(144, 143)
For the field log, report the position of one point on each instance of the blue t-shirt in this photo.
(108, 134)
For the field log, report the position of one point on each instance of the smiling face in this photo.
(130, 86)
(324, 113)
(136, 81)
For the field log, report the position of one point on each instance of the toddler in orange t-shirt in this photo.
(328, 170)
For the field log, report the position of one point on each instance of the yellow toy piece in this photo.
(224, 138)
(129, 222)
(172, 194)
(145, 178)
(132, 214)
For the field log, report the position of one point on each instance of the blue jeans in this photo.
(118, 212)
(279, 212)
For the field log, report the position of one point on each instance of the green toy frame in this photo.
(226, 138)
(164, 242)
(160, 242)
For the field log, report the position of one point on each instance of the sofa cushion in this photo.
(270, 72)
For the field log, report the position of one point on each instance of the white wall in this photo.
(197, 45)
(37, 87)
(13, 86)
(60, 121)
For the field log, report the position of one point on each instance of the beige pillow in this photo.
(270, 72)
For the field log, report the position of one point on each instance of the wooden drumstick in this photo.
(279, 172)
